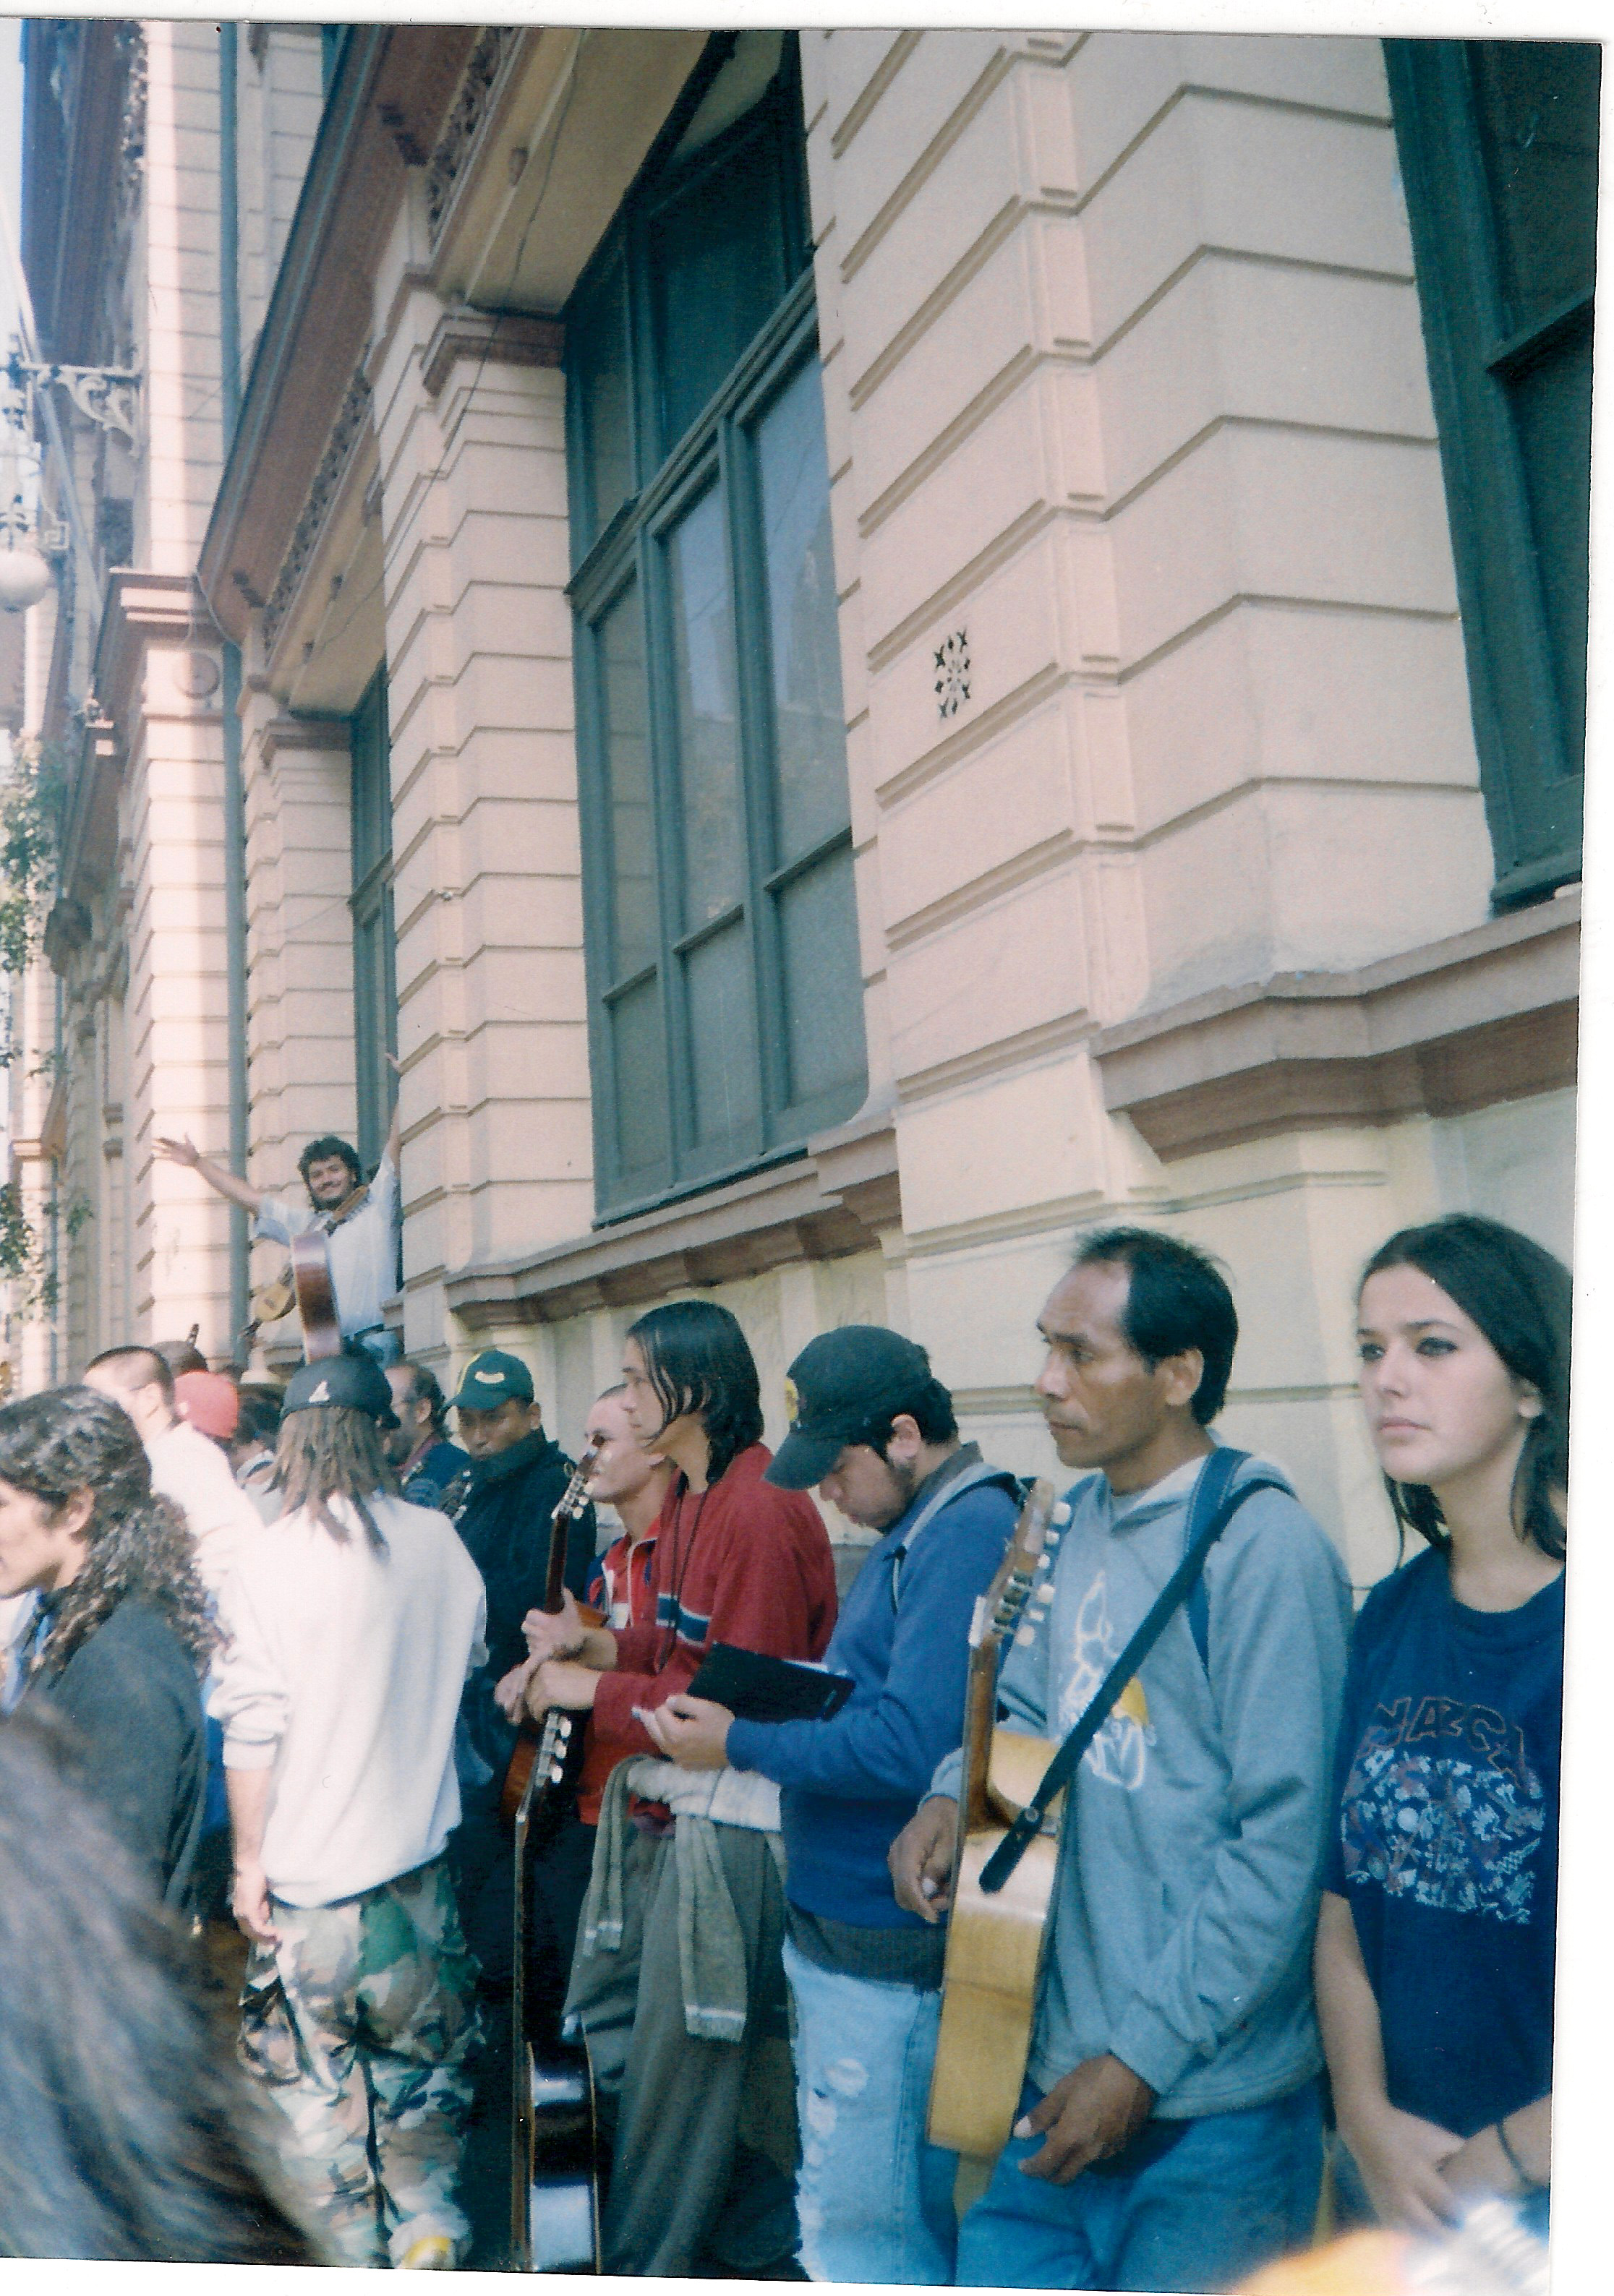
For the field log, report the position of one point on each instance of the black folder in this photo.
(760, 1689)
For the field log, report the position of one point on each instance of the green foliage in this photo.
(25, 1251)
(32, 790)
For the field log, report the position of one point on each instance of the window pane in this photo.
(1537, 105)
(603, 386)
(722, 1037)
(634, 933)
(712, 825)
(640, 1058)
(823, 983)
(794, 477)
(717, 269)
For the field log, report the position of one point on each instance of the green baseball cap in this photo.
(492, 1378)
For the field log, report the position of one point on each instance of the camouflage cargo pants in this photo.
(359, 2023)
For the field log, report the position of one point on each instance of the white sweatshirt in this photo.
(343, 1678)
(190, 1468)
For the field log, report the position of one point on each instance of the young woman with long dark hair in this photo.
(738, 1562)
(1434, 1946)
(121, 1632)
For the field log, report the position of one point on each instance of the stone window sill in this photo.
(1485, 1016)
(831, 1201)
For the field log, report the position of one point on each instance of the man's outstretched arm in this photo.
(223, 1182)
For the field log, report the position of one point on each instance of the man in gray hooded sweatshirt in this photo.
(1170, 2133)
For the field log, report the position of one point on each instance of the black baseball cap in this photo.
(844, 1385)
(493, 1378)
(347, 1382)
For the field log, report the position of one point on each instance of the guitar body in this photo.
(994, 1942)
(994, 1959)
(316, 1295)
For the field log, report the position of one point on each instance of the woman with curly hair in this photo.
(1435, 1946)
(122, 1631)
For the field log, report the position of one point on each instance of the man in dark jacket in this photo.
(502, 1507)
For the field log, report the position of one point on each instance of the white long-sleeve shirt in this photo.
(190, 1468)
(363, 1247)
(344, 1679)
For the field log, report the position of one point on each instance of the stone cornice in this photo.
(510, 338)
(144, 608)
(830, 1202)
(384, 110)
(1485, 1016)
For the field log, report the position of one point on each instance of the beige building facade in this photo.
(854, 646)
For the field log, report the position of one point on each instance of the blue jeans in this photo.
(1236, 2190)
(874, 2198)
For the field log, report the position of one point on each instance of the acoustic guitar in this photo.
(554, 2162)
(994, 1943)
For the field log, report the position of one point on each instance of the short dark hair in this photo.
(327, 1145)
(1521, 1297)
(697, 1360)
(929, 1406)
(1176, 1299)
(424, 1388)
(142, 1367)
(259, 1420)
(180, 1356)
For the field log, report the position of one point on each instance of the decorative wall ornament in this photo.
(104, 395)
(495, 45)
(347, 432)
(952, 674)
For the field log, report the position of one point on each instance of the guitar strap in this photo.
(1210, 1511)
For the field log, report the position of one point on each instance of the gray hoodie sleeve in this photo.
(1280, 1622)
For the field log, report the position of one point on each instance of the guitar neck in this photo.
(980, 1713)
(573, 1499)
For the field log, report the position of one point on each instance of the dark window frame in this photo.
(717, 448)
(1530, 750)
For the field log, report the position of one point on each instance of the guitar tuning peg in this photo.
(1062, 1513)
(556, 1773)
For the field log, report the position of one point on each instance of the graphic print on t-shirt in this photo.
(1119, 1754)
(1443, 1806)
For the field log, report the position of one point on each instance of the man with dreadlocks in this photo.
(354, 1620)
(119, 1630)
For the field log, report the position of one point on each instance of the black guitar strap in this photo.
(1210, 1511)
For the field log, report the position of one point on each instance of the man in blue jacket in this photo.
(874, 1431)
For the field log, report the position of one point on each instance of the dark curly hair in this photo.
(321, 1151)
(329, 1452)
(1521, 1297)
(128, 2132)
(697, 1360)
(75, 1439)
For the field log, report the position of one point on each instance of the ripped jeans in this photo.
(874, 2197)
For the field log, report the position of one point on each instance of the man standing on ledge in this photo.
(361, 1223)
(1170, 2129)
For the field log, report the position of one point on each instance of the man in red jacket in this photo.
(736, 1561)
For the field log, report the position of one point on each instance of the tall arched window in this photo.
(725, 991)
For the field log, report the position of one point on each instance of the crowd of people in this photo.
(268, 1658)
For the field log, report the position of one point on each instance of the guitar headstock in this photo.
(1029, 1552)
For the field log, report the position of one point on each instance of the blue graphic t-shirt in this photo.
(1446, 1840)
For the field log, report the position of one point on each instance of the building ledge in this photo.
(823, 1205)
(1487, 1015)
